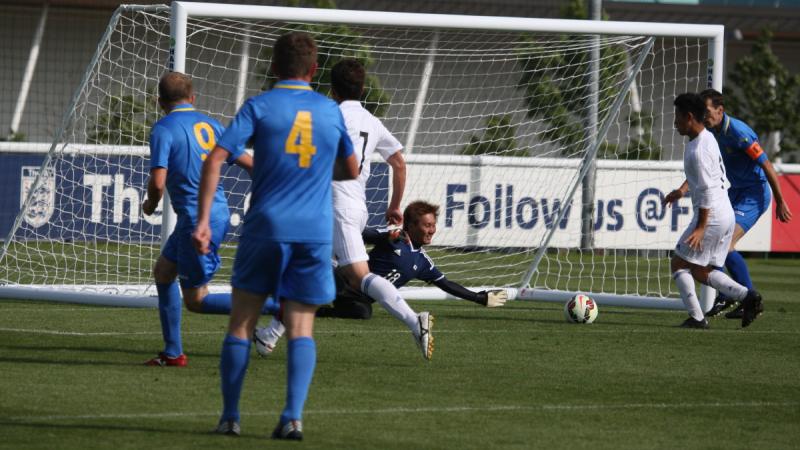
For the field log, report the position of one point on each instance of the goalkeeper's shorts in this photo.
(194, 270)
(288, 270)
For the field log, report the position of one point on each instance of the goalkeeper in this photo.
(397, 258)
(401, 260)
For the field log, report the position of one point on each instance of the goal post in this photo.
(495, 108)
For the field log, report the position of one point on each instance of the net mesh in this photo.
(495, 125)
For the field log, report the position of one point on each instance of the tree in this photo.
(497, 139)
(766, 95)
(348, 44)
(125, 120)
(557, 92)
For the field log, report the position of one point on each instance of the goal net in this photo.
(547, 149)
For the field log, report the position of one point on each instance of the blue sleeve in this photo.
(745, 136)
(428, 271)
(345, 144)
(160, 144)
(239, 132)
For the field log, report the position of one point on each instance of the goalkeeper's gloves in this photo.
(493, 298)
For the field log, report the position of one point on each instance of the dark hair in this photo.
(293, 55)
(174, 87)
(691, 103)
(347, 79)
(417, 209)
(715, 96)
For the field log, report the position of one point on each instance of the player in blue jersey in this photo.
(179, 143)
(751, 175)
(300, 144)
(398, 260)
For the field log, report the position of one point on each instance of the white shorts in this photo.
(716, 240)
(348, 223)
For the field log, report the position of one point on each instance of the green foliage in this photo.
(347, 44)
(498, 139)
(557, 90)
(766, 105)
(125, 120)
(13, 137)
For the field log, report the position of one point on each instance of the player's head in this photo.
(294, 56)
(715, 107)
(347, 80)
(419, 222)
(174, 88)
(689, 113)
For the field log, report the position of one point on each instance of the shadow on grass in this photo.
(133, 428)
(50, 349)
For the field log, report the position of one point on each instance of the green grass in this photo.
(515, 377)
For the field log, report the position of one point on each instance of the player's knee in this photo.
(701, 273)
(163, 273)
(193, 299)
(677, 264)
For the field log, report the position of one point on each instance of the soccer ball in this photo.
(580, 309)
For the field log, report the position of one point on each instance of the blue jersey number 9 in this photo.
(204, 135)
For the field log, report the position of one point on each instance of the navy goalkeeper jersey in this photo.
(399, 261)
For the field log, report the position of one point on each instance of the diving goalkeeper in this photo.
(397, 259)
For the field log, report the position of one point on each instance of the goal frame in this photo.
(181, 12)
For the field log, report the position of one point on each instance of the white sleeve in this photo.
(705, 178)
(387, 144)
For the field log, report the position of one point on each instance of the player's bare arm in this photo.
(155, 189)
(208, 185)
(677, 194)
(345, 169)
(398, 164)
(782, 211)
(245, 162)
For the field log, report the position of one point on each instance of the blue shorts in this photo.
(749, 204)
(291, 270)
(194, 269)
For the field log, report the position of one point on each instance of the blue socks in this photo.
(302, 359)
(737, 269)
(221, 304)
(232, 367)
(217, 304)
(169, 311)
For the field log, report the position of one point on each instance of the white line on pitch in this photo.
(529, 330)
(430, 409)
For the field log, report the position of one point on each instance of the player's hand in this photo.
(695, 239)
(394, 216)
(782, 211)
(672, 197)
(201, 237)
(496, 298)
(394, 232)
(149, 207)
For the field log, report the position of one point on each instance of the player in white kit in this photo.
(704, 244)
(350, 210)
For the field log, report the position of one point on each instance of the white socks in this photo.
(725, 284)
(276, 329)
(685, 282)
(384, 292)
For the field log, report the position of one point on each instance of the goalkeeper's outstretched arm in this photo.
(490, 299)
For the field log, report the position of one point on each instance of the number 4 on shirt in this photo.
(299, 140)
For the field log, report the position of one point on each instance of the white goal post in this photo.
(493, 113)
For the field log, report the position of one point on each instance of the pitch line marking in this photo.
(440, 409)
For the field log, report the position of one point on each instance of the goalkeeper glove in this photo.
(493, 298)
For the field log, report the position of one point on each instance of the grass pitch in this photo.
(514, 377)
